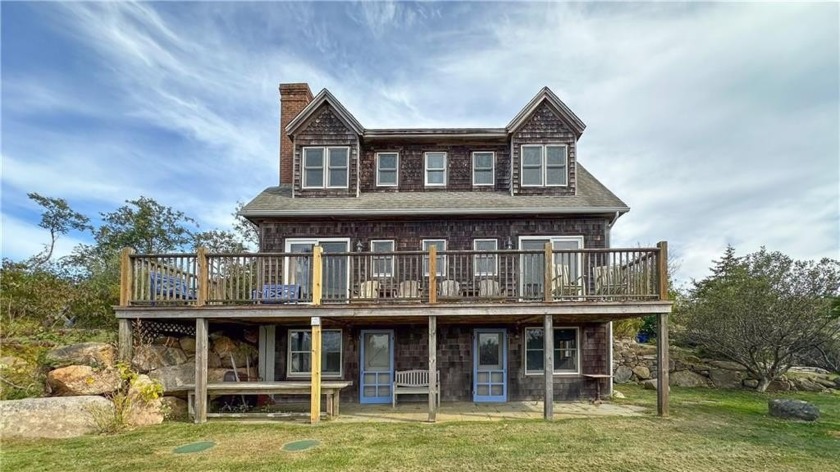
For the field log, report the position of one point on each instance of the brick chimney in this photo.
(293, 99)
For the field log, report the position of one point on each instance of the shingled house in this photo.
(447, 250)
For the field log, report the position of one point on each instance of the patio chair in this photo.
(610, 280)
(449, 289)
(563, 286)
(409, 289)
(369, 289)
(488, 288)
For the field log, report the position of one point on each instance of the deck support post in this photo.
(315, 364)
(125, 340)
(201, 348)
(548, 337)
(662, 362)
(433, 384)
(126, 276)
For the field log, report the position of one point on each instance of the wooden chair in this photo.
(409, 289)
(610, 280)
(563, 286)
(449, 289)
(369, 290)
(489, 288)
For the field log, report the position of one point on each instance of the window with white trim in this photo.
(383, 266)
(485, 264)
(544, 165)
(440, 267)
(326, 167)
(566, 351)
(483, 164)
(435, 169)
(299, 351)
(387, 169)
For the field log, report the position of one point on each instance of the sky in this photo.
(718, 123)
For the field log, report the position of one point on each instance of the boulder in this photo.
(174, 376)
(82, 380)
(187, 344)
(807, 384)
(218, 375)
(642, 372)
(92, 354)
(750, 383)
(687, 378)
(779, 385)
(232, 353)
(793, 409)
(617, 394)
(12, 362)
(652, 384)
(148, 358)
(167, 341)
(726, 365)
(622, 374)
(825, 382)
(174, 407)
(723, 378)
(56, 417)
(142, 410)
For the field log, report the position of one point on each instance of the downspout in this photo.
(358, 168)
(294, 168)
(510, 175)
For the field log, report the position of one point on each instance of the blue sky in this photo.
(717, 123)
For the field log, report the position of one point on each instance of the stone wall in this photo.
(633, 362)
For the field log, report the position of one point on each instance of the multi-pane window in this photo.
(435, 169)
(485, 264)
(326, 167)
(300, 352)
(383, 266)
(566, 353)
(544, 165)
(483, 168)
(440, 260)
(387, 169)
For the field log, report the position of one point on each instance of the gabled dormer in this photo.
(324, 141)
(543, 138)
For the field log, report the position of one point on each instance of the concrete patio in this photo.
(467, 411)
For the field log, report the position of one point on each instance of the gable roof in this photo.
(546, 95)
(324, 96)
(592, 198)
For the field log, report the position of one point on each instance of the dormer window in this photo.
(325, 167)
(483, 168)
(544, 165)
(387, 169)
(435, 169)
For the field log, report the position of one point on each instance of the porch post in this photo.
(662, 361)
(433, 386)
(548, 337)
(201, 347)
(315, 363)
(126, 340)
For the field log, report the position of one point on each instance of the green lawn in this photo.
(708, 430)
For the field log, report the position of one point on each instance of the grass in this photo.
(708, 430)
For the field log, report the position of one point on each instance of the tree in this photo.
(58, 218)
(147, 226)
(247, 232)
(763, 310)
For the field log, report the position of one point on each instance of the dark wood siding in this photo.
(325, 128)
(455, 359)
(544, 127)
(459, 232)
(459, 165)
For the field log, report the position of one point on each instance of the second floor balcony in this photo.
(320, 277)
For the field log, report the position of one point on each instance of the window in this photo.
(532, 275)
(387, 169)
(566, 354)
(483, 168)
(325, 167)
(383, 266)
(440, 244)
(435, 169)
(300, 353)
(485, 264)
(544, 165)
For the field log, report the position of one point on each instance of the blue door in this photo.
(377, 366)
(490, 365)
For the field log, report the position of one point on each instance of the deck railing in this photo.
(503, 276)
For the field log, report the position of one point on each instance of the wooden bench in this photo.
(414, 382)
(277, 293)
(329, 388)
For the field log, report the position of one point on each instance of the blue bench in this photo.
(170, 287)
(278, 293)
